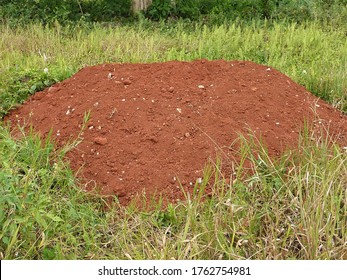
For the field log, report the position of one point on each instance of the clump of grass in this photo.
(294, 207)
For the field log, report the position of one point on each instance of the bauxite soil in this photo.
(154, 126)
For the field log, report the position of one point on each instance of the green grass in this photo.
(314, 55)
(294, 207)
(291, 208)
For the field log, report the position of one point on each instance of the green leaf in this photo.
(54, 218)
(5, 240)
(40, 220)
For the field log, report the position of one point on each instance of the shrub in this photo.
(63, 11)
(159, 9)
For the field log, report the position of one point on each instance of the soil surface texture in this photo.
(155, 126)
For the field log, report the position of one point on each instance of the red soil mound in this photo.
(154, 123)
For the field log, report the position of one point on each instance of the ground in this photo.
(153, 127)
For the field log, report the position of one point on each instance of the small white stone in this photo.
(179, 110)
(228, 202)
(201, 86)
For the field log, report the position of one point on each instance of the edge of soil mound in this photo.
(154, 126)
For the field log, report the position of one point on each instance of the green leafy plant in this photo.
(159, 9)
(23, 83)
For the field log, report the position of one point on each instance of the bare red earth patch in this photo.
(153, 125)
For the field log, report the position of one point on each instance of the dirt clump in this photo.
(154, 126)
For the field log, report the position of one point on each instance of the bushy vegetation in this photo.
(63, 11)
(218, 11)
(291, 207)
(213, 11)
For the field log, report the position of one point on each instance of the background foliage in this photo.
(63, 11)
(215, 11)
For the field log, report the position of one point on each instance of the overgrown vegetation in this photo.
(218, 11)
(63, 11)
(16, 12)
(292, 207)
(315, 55)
